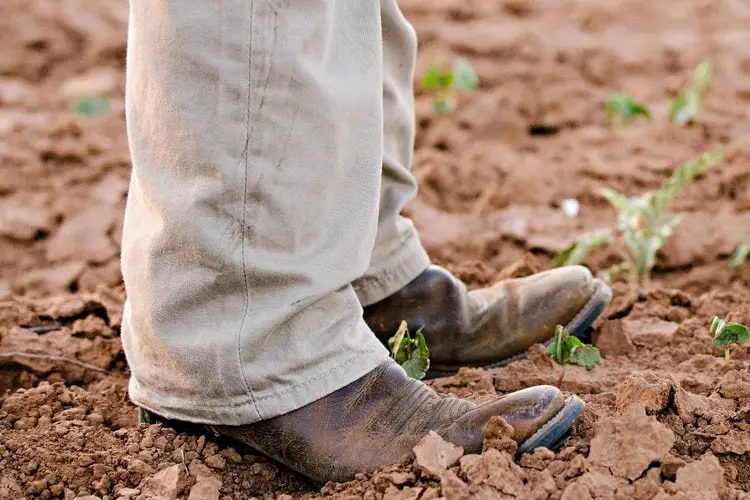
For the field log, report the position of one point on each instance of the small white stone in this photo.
(570, 207)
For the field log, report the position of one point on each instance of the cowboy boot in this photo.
(491, 326)
(378, 419)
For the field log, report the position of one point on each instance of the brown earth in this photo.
(666, 417)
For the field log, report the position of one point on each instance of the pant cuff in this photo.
(245, 410)
(404, 266)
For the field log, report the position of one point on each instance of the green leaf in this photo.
(419, 364)
(411, 353)
(577, 252)
(435, 78)
(91, 106)
(686, 106)
(624, 109)
(586, 355)
(740, 254)
(464, 76)
(730, 333)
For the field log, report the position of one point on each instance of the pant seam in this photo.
(243, 235)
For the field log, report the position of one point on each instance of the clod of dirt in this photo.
(165, 484)
(628, 443)
(702, 479)
(735, 441)
(498, 434)
(493, 471)
(647, 390)
(650, 332)
(735, 385)
(207, 485)
(613, 340)
(434, 455)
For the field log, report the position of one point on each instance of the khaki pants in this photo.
(271, 144)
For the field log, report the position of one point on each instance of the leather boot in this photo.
(491, 326)
(378, 419)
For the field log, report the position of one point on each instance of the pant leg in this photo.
(398, 256)
(256, 134)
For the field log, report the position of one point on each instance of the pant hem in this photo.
(406, 265)
(245, 410)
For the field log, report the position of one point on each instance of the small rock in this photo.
(498, 434)
(576, 491)
(613, 340)
(735, 442)
(36, 487)
(649, 391)
(167, 483)
(453, 486)
(670, 464)
(216, 461)
(539, 459)
(206, 488)
(703, 478)
(405, 494)
(385, 479)
(495, 469)
(650, 332)
(434, 455)
(627, 444)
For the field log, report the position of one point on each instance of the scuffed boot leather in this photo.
(489, 326)
(378, 419)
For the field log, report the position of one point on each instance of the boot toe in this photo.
(528, 410)
(568, 296)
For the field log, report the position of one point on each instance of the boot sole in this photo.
(553, 433)
(577, 327)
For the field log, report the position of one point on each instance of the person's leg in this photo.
(398, 256)
(256, 136)
(479, 328)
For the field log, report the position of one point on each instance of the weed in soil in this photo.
(567, 349)
(643, 225)
(446, 83)
(725, 333)
(411, 353)
(623, 109)
(686, 106)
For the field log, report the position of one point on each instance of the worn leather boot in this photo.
(491, 326)
(378, 419)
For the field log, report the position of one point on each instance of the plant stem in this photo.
(726, 355)
(560, 380)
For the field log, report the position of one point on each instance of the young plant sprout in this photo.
(740, 254)
(643, 225)
(726, 333)
(566, 349)
(622, 109)
(90, 106)
(445, 83)
(686, 106)
(411, 353)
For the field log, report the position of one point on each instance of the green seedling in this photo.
(725, 333)
(446, 83)
(622, 109)
(740, 254)
(566, 349)
(643, 225)
(686, 106)
(411, 353)
(90, 106)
